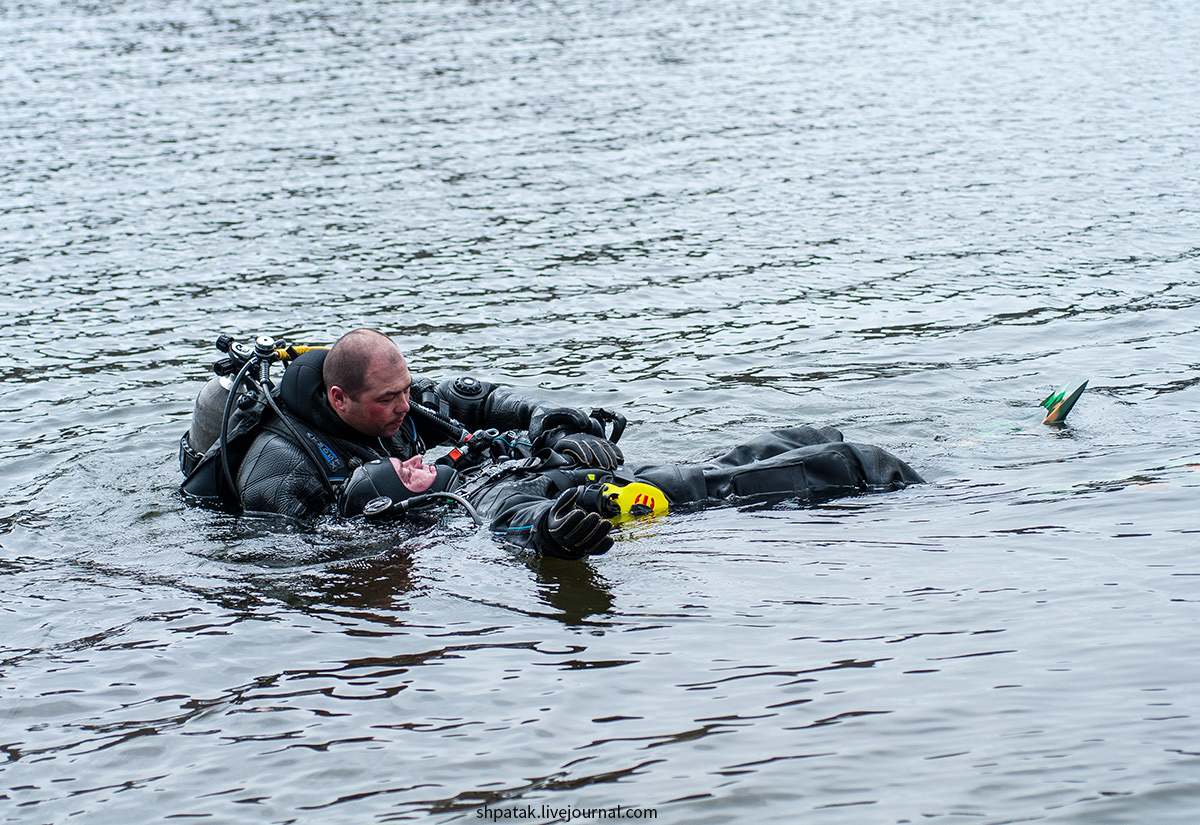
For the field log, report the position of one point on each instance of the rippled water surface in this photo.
(911, 220)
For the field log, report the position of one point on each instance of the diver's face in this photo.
(380, 408)
(414, 474)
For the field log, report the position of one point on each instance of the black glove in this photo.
(548, 424)
(590, 451)
(572, 532)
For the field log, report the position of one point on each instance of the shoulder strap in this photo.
(326, 460)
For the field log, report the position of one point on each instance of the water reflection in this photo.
(577, 592)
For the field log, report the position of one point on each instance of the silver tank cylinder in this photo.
(206, 417)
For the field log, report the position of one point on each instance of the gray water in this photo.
(911, 220)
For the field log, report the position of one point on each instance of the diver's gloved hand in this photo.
(548, 424)
(573, 532)
(588, 450)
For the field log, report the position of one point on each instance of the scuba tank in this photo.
(206, 421)
(216, 405)
(209, 415)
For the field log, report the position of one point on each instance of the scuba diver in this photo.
(289, 451)
(564, 499)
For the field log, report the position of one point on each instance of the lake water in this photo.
(911, 220)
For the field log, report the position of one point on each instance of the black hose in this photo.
(427, 497)
(603, 416)
(241, 376)
(450, 428)
(618, 427)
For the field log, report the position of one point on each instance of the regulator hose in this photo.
(429, 497)
(450, 428)
(241, 376)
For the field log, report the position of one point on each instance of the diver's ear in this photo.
(338, 398)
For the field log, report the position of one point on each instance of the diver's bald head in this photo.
(367, 382)
(353, 356)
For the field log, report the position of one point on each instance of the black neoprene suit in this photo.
(797, 462)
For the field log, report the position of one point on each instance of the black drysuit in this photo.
(797, 462)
